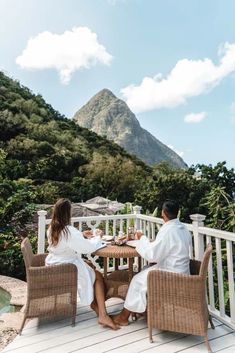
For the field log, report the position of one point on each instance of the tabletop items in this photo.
(122, 238)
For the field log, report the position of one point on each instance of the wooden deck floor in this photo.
(87, 336)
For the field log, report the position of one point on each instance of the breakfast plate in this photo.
(132, 243)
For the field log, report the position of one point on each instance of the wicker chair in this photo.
(51, 290)
(177, 302)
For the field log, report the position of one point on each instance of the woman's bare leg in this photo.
(94, 307)
(103, 317)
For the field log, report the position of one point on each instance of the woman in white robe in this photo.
(66, 245)
(169, 251)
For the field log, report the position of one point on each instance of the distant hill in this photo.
(109, 116)
(41, 148)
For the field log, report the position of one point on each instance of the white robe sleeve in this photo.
(153, 251)
(81, 245)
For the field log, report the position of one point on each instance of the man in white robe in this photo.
(169, 251)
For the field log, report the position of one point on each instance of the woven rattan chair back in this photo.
(51, 290)
(205, 261)
(177, 302)
(200, 267)
(26, 249)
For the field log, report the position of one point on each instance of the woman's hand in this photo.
(90, 233)
(99, 232)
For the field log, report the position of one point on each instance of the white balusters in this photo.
(127, 225)
(121, 225)
(41, 231)
(107, 227)
(144, 228)
(152, 231)
(114, 228)
(220, 276)
(211, 279)
(148, 230)
(229, 248)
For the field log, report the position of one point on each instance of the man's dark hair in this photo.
(171, 208)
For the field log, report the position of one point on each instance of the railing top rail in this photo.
(217, 233)
(100, 218)
(159, 220)
(150, 218)
(189, 226)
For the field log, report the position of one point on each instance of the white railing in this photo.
(221, 293)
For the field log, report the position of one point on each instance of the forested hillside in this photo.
(42, 149)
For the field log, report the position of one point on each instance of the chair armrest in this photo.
(39, 260)
(53, 276)
(176, 287)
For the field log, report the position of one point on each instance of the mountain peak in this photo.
(110, 116)
(105, 92)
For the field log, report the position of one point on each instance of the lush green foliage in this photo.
(11, 258)
(201, 189)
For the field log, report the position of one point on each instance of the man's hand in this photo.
(88, 234)
(138, 234)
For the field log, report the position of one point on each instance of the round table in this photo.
(118, 278)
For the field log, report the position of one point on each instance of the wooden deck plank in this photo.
(61, 329)
(37, 327)
(230, 349)
(192, 342)
(100, 337)
(217, 344)
(132, 343)
(89, 337)
(158, 336)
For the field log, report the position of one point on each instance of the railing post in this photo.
(137, 210)
(41, 231)
(198, 221)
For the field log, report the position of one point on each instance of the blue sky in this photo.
(125, 45)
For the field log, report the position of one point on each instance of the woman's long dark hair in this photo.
(61, 218)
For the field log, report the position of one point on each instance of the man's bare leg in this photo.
(94, 307)
(103, 318)
(122, 318)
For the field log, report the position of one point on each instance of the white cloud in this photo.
(67, 52)
(188, 78)
(180, 153)
(195, 117)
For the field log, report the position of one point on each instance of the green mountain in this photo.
(53, 156)
(109, 116)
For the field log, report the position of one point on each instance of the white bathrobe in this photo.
(170, 250)
(69, 251)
